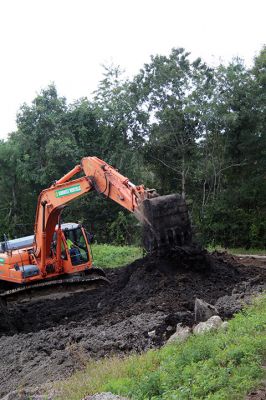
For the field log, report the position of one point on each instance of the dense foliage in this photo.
(178, 125)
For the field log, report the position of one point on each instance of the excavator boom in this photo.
(60, 254)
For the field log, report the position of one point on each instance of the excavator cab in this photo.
(74, 244)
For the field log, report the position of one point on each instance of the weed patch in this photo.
(108, 256)
(238, 250)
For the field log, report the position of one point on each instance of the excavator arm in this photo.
(47, 265)
(98, 176)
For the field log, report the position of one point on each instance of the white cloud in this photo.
(66, 41)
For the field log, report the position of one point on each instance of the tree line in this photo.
(179, 125)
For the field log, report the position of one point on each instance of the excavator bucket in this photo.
(166, 223)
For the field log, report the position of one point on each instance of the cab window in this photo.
(77, 247)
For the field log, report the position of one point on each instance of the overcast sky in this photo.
(67, 41)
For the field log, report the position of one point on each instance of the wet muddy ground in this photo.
(49, 339)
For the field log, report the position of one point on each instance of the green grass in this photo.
(214, 366)
(108, 256)
(238, 250)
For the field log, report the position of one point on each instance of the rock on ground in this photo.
(203, 310)
(104, 396)
(181, 334)
(213, 323)
(224, 325)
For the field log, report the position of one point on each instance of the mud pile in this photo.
(48, 340)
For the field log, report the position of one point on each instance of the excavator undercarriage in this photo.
(55, 288)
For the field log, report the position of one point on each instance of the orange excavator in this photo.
(57, 259)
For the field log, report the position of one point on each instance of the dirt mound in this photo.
(259, 394)
(48, 340)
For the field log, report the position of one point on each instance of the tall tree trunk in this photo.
(183, 176)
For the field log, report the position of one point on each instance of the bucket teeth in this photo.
(166, 223)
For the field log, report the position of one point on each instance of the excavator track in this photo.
(55, 289)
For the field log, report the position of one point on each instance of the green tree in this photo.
(234, 216)
(171, 89)
(48, 147)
